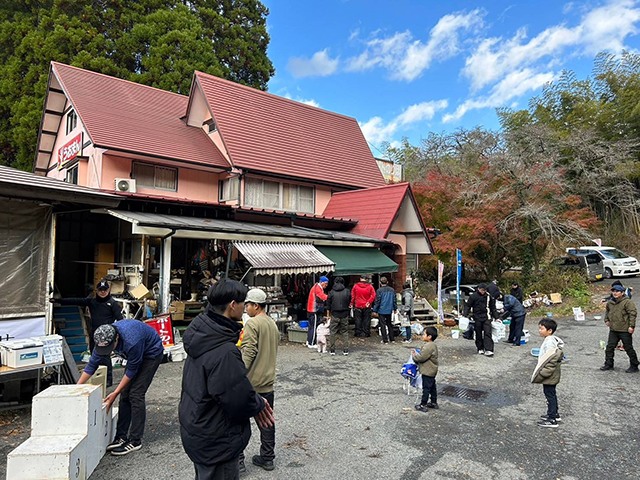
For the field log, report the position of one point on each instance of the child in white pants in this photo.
(322, 334)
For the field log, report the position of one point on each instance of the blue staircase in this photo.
(69, 322)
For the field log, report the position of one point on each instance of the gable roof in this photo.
(135, 118)
(266, 133)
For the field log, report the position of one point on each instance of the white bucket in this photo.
(455, 334)
(463, 323)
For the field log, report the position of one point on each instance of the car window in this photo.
(572, 261)
(613, 253)
(592, 259)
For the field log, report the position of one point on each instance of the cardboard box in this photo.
(177, 310)
(555, 298)
(141, 292)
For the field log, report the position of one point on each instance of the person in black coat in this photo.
(217, 398)
(338, 303)
(483, 307)
(104, 310)
(493, 289)
(517, 292)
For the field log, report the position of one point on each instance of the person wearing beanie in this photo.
(315, 308)
(620, 317)
(483, 307)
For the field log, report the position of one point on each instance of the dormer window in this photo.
(72, 121)
(211, 125)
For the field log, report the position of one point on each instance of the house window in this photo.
(229, 189)
(279, 196)
(411, 261)
(211, 125)
(154, 176)
(72, 175)
(72, 121)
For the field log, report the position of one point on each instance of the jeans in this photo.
(311, 333)
(339, 326)
(552, 400)
(133, 410)
(407, 331)
(484, 341)
(515, 330)
(627, 343)
(362, 317)
(219, 471)
(267, 436)
(429, 389)
(385, 325)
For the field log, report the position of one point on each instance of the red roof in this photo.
(374, 208)
(129, 116)
(267, 133)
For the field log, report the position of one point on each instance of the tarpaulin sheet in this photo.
(24, 254)
(268, 258)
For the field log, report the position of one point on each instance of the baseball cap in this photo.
(617, 288)
(105, 339)
(103, 285)
(323, 279)
(255, 295)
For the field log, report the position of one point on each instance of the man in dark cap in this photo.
(483, 307)
(104, 310)
(493, 289)
(141, 346)
(620, 317)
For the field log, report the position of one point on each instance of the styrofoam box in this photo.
(67, 410)
(49, 457)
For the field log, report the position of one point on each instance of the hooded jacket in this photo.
(362, 294)
(621, 314)
(339, 301)
(407, 301)
(483, 307)
(217, 398)
(547, 371)
(512, 307)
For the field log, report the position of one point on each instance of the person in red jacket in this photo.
(362, 297)
(315, 308)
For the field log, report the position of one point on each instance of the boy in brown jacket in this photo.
(427, 361)
(547, 371)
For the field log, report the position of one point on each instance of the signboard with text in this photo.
(70, 150)
(162, 325)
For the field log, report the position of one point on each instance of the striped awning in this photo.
(268, 258)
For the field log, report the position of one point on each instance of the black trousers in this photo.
(627, 343)
(552, 400)
(132, 414)
(385, 327)
(429, 389)
(267, 435)
(362, 317)
(220, 471)
(515, 330)
(311, 333)
(484, 341)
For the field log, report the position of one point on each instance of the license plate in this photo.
(598, 277)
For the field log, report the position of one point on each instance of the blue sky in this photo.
(405, 68)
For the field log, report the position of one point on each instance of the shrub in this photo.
(569, 283)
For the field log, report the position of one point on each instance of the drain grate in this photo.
(464, 393)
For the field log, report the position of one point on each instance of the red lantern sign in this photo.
(70, 150)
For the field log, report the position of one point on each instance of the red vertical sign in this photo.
(162, 325)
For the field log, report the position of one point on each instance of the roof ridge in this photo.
(255, 90)
(117, 78)
(401, 184)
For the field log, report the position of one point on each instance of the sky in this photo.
(405, 68)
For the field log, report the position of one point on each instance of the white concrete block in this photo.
(97, 440)
(67, 410)
(49, 458)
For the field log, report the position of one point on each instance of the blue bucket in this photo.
(304, 324)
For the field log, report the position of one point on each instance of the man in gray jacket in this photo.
(621, 319)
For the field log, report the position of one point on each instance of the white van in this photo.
(616, 263)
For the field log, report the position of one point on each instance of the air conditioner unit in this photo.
(125, 185)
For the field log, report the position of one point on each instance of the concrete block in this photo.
(49, 457)
(99, 439)
(67, 410)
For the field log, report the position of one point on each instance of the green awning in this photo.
(358, 260)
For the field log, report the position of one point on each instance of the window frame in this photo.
(281, 187)
(221, 196)
(155, 176)
(72, 118)
(73, 171)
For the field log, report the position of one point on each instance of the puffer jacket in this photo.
(621, 314)
(339, 301)
(217, 398)
(547, 371)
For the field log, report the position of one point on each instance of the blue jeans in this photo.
(408, 332)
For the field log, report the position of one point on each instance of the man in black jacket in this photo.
(217, 398)
(338, 304)
(483, 307)
(516, 291)
(104, 310)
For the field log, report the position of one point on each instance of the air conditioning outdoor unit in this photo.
(125, 185)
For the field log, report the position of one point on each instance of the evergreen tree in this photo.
(155, 42)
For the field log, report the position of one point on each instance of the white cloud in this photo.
(407, 58)
(307, 101)
(514, 85)
(319, 65)
(603, 28)
(377, 131)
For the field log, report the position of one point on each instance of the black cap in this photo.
(105, 339)
(103, 285)
(482, 286)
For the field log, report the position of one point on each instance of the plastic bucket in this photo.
(304, 324)
(463, 323)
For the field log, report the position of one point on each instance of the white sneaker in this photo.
(480, 352)
(488, 353)
(315, 347)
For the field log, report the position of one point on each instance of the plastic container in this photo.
(455, 334)
(463, 323)
(22, 353)
(535, 352)
(304, 324)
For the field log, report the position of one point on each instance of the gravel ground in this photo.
(348, 417)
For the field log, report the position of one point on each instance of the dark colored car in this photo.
(591, 265)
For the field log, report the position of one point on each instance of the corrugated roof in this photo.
(268, 258)
(374, 208)
(267, 133)
(132, 117)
